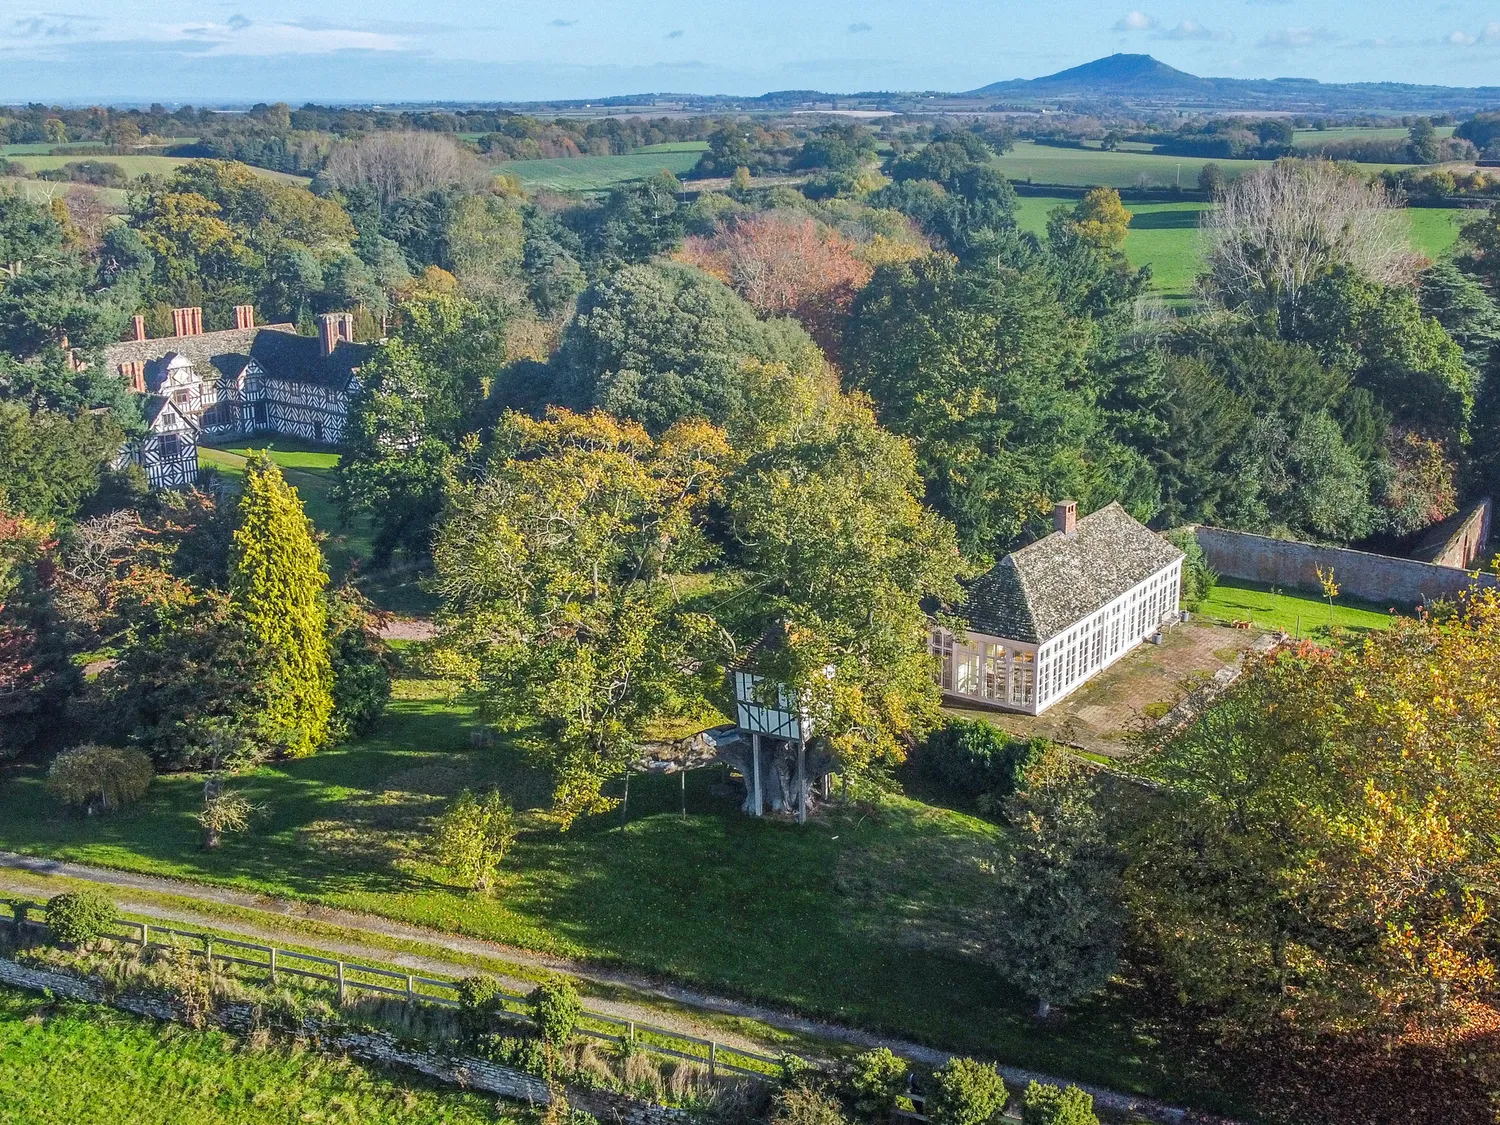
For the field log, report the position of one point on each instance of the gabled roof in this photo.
(276, 347)
(157, 405)
(1043, 589)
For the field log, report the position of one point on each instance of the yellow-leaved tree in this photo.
(1320, 849)
(276, 579)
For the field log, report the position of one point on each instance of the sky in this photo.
(223, 52)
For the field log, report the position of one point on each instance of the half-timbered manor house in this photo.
(244, 380)
(1055, 613)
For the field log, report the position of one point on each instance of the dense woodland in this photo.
(623, 438)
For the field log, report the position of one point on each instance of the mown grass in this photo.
(1311, 138)
(1165, 236)
(1290, 611)
(598, 173)
(1044, 164)
(137, 165)
(114, 199)
(67, 1064)
(871, 915)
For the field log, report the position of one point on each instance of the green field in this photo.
(1044, 164)
(598, 173)
(112, 198)
(1294, 612)
(1165, 236)
(674, 146)
(138, 165)
(1310, 138)
(77, 1064)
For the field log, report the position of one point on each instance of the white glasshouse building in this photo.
(1054, 614)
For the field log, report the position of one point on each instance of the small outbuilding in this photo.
(1054, 614)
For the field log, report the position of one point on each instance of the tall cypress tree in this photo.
(277, 580)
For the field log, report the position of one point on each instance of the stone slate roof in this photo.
(276, 347)
(1043, 589)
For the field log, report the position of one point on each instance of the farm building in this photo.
(1052, 615)
(233, 383)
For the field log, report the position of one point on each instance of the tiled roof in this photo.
(1041, 590)
(276, 347)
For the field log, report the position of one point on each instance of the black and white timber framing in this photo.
(236, 383)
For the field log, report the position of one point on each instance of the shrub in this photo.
(79, 917)
(515, 1051)
(478, 1001)
(877, 1079)
(1198, 578)
(805, 1105)
(473, 836)
(556, 1008)
(362, 665)
(965, 1092)
(976, 760)
(107, 775)
(1049, 1105)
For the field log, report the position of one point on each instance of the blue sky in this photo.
(213, 52)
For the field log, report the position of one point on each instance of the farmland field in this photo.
(598, 173)
(1044, 164)
(113, 198)
(45, 148)
(1165, 236)
(74, 1063)
(1311, 138)
(137, 165)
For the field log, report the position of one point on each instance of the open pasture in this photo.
(136, 165)
(599, 173)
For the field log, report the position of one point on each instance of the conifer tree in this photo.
(276, 580)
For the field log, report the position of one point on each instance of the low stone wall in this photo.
(367, 1046)
(1378, 579)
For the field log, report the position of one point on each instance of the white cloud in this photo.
(1489, 33)
(239, 36)
(1191, 29)
(1462, 39)
(1135, 21)
(1291, 38)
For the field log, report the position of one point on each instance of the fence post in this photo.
(341, 982)
(411, 988)
(630, 1032)
(713, 1059)
(208, 952)
(273, 964)
(145, 936)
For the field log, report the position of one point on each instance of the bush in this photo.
(805, 1105)
(556, 1008)
(478, 1001)
(362, 665)
(79, 917)
(965, 1092)
(472, 837)
(1198, 578)
(1048, 1105)
(107, 775)
(976, 761)
(518, 1052)
(877, 1079)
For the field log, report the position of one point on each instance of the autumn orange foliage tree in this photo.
(1320, 850)
(787, 266)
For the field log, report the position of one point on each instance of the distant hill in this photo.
(1141, 79)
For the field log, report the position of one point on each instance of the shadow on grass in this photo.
(1165, 220)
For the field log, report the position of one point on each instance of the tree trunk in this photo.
(211, 839)
(1043, 1008)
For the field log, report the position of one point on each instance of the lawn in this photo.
(1030, 162)
(869, 916)
(1165, 236)
(1290, 611)
(68, 1063)
(598, 173)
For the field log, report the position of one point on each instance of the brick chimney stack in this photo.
(138, 327)
(332, 328)
(134, 373)
(187, 322)
(244, 316)
(1065, 517)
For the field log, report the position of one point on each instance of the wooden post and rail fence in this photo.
(350, 978)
